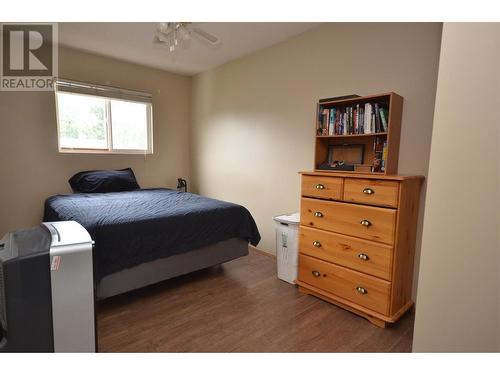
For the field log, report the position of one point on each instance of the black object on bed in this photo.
(133, 227)
(104, 181)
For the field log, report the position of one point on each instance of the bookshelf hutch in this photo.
(394, 105)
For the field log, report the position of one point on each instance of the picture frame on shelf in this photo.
(348, 153)
(343, 157)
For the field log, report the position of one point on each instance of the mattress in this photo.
(134, 227)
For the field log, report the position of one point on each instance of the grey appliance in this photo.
(47, 289)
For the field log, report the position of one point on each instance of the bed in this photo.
(148, 235)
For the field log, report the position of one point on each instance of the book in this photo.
(377, 118)
(351, 111)
(362, 120)
(347, 121)
(384, 157)
(377, 154)
(337, 118)
(319, 128)
(355, 121)
(383, 118)
(367, 119)
(344, 124)
(331, 122)
(358, 128)
(326, 114)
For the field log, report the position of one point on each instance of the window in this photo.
(102, 119)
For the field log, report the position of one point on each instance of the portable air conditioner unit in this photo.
(47, 289)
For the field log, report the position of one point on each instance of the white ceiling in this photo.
(133, 42)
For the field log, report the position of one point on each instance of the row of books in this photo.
(380, 155)
(365, 118)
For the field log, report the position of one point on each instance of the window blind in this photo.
(84, 88)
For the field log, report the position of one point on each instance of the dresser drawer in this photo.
(372, 223)
(367, 291)
(322, 187)
(376, 192)
(361, 255)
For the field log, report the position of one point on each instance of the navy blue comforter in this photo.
(130, 228)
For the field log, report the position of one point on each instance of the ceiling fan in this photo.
(177, 35)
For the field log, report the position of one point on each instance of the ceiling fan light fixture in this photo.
(165, 27)
(178, 35)
(183, 33)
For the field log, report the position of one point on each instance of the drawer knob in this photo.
(318, 214)
(363, 256)
(317, 244)
(365, 222)
(368, 191)
(320, 186)
(316, 273)
(361, 290)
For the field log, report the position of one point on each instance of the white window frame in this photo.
(107, 93)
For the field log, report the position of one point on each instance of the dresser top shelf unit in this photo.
(392, 105)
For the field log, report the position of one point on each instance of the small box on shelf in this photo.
(363, 168)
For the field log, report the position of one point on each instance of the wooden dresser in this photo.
(357, 241)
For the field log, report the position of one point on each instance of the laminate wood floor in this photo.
(238, 307)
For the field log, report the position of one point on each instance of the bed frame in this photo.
(167, 268)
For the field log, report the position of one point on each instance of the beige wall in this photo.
(30, 165)
(253, 118)
(459, 295)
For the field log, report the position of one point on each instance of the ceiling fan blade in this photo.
(212, 39)
(160, 37)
